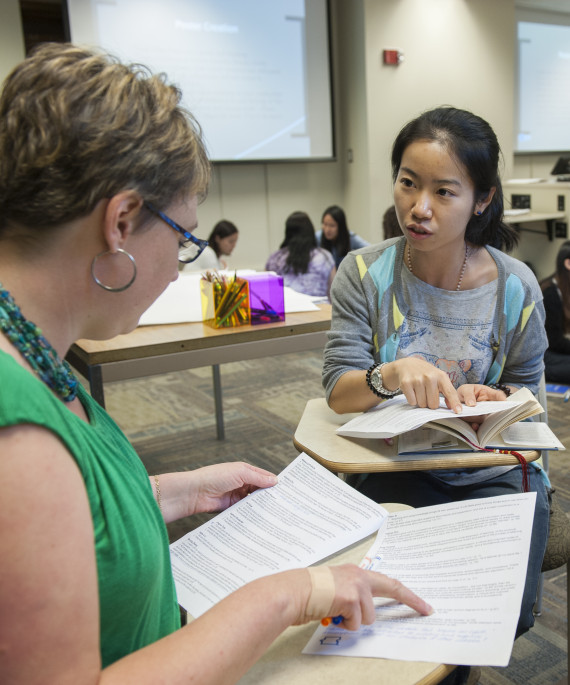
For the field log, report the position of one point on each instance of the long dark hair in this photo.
(472, 142)
(342, 242)
(222, 229)
(300, 241)
(562, 275)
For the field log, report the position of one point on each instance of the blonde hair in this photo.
(77, 126)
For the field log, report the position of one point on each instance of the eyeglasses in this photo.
(192, 247)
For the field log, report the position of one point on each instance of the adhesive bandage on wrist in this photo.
(322, 595)
(158, 496)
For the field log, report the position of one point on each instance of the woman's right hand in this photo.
(354, 589)
(421, 382)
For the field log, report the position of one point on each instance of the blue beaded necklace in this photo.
(41, 356)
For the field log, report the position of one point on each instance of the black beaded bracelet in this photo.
(384, 393)
(369, 382)
(501, 386)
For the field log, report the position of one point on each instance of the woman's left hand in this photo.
(210, 488)
(471, 393)
(219, 486)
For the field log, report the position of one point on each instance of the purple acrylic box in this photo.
(266, 298)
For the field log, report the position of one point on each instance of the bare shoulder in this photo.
(48, 593)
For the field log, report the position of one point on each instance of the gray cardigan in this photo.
(369, 310)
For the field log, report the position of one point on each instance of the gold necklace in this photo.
(467, 255)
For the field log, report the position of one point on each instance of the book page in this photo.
(522, 435)
(530, 435)
(468, 560)
(494, 424)
(459, 429)
(396, 416)
(523, 405)
(426, 440)
(307, 516)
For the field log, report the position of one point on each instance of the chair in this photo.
(557, 554)
(558, 546)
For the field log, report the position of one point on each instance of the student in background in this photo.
(556, 293)
(334, 235)
(88, 240)
(221, 243)
(440, 312)
(305, 267)
(390, 225)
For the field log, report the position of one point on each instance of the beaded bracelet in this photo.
(382, 392)
(500, 386)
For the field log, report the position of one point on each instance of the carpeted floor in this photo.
(170, 420)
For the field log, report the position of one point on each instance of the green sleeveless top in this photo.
(137, 596)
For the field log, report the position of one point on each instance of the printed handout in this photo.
(309, 515)
(468, 560)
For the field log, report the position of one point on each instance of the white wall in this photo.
(354, 151)
(458, 52)
(12, 48)
(259, 197)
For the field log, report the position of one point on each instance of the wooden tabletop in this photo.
(147, 341)
(316, 436)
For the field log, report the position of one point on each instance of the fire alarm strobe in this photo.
(393, 57)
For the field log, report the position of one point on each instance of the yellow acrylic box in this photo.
(225, 301)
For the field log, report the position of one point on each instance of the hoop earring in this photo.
(110, 288)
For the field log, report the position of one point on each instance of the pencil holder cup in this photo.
(266, 298)
(225, 302)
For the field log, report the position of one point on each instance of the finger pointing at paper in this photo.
(347, 591)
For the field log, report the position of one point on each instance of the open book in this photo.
(467, 559)
(500, 428)
(522, 435)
